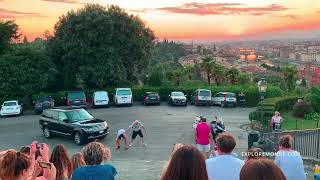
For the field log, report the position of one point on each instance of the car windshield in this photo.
(231, 95)
(9, 104)
(204, 93)
(78, 115)
(123, 92)
(177, 94)
(76, 95)
(42, 99)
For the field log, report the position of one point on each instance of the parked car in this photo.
(75, 99)
(42, 103)
(123, 96)
(225, 99)
(9, 108)
(177, 98)
(202, 97)
(151, 98)
(100, 98)
(75, 123)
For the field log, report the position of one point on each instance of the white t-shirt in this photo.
(291, 164)
(121, 131)
(136, 126)
(276, 119)
(224, 167)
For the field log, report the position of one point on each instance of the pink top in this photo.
(203, 133)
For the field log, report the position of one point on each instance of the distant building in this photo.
(247, 54)
(310, 57)
(190, 59)
(284, 52)
(312, 77)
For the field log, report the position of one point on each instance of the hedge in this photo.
(251, 92)
(270, 105)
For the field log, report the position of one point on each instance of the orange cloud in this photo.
(222, 8)
(4, 13)
(64, 1)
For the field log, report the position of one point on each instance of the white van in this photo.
(100, 98)
(123, 96)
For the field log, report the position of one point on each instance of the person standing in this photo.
(203, 137)
(136, 127)
(276, 120)
(224, 166)
(289, 160)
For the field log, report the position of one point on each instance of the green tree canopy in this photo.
(100, 47)
(207, 65)
(290, 75)
(8, 32)
(25, 70)
(232, 75)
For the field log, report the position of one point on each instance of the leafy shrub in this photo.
(314, 116)
(301, 108)
(314, 98)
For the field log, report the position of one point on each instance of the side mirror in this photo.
(185, 95)
(65, 120)
(169, 95)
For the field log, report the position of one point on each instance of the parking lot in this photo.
(165, 126)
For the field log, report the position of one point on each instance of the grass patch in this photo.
(290, 122)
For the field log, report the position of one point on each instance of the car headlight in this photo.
(88, 129)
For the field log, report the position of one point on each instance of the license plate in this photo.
(152, 98)
(9, 108)
(100, 132)
(124, 97)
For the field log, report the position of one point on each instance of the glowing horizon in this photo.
(185, 19)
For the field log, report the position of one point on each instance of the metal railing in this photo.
(307, 142)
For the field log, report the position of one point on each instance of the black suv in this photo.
(75, 123)
(42, 103)
(75, 99)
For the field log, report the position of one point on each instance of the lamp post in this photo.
(262, 86)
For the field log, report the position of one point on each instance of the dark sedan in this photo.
(151, 98)
(42, 103)
(76, 123)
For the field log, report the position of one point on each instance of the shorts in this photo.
(203, 148)
(121, 136)
(135, 133)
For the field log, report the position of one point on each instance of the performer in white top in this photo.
(276, 119)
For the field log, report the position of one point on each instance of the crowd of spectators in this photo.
(186, 162)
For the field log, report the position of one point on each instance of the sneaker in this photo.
(130, 144)
(144, 144)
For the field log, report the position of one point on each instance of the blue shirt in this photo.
(98, 172)
(224, 167)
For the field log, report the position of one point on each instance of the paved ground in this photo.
(165, 125)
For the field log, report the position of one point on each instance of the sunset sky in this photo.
(184, 20)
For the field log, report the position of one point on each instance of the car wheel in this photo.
(47, 133)
(78, 138)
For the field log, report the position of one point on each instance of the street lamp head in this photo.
(262, 85)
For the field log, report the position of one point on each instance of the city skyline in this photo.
(185, 20)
